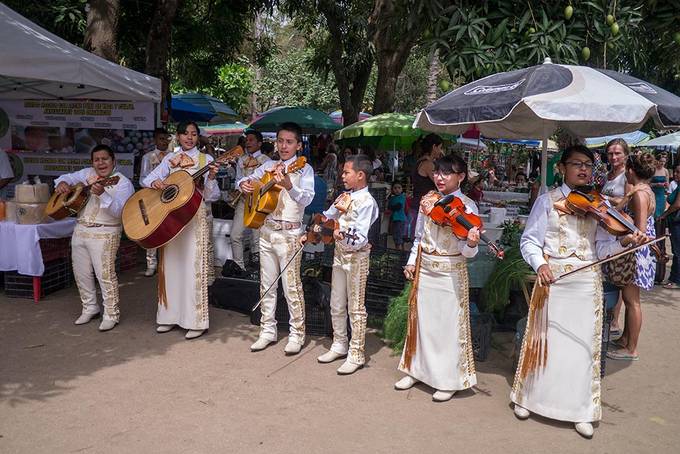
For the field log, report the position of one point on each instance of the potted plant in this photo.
(503, 289)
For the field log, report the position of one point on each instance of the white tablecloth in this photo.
(506, 196)
(20, 247)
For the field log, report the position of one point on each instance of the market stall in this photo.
(57, 101)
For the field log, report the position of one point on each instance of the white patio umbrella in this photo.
(669, 140)
(532, 103)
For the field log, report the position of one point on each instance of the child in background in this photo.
(397, 205)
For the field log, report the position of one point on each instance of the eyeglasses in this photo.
(580, 164)
(443, 173)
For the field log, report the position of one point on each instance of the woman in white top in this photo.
(615, 190)
(185, 263)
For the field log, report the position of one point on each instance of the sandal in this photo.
(622, 355)
(671, 286)
(615, 333)
(617, 344)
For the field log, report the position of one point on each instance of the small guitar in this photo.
(265, 196)
(61, 206)
(153, 217)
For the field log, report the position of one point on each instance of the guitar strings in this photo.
(221, 160)
(159, 203)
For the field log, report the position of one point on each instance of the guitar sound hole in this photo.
(169, 193)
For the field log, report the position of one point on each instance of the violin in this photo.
(320, 230)
(450, 211)
(587, 202)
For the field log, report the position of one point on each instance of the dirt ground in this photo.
(72, 389)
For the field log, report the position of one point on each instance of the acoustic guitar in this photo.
(265, 195)
(153, 217)
(71, 203)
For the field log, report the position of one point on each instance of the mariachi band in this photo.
(568, 231)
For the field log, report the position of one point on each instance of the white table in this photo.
(20, 247)
(497, 196)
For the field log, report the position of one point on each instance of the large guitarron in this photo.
(265, 196)
(71, 203)
(153, 217)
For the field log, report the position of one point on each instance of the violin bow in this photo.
(611, 257)
(277, 278)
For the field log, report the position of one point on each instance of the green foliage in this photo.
(65, 18)
(508, 274)
(476, 39)
(394, 328)
(512, 232)
(287, 79)
(234, 84)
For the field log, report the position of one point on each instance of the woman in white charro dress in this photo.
(438, 346)
(567, 387)
(185, 264)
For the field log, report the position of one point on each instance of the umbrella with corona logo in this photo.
(534, 102)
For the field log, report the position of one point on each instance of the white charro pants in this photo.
(95, 249)
(348, 291)
(236, 235)
(277, 247)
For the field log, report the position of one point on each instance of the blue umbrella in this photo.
(631, 138)
(183, 111)
(209, 103)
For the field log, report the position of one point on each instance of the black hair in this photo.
(573, 149)
(102, 147)
(429, 141)
(160, 131)
(182, 127)
(257, 134)
(267, 148)
(361, 163)
(451, 163)
(368, 151)
(291, 127)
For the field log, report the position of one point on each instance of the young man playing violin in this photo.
(566, 320)
(279, 239)
(355, 212)
(438, 346)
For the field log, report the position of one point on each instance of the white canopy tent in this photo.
(35, 64)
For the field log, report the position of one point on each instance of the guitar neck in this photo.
(270, 184)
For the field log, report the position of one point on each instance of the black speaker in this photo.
(317, 308)
(239, 295)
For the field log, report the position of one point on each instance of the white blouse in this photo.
(211, 190)
(362, 213)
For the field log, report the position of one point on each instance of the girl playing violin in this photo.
(438, 347)
(566, 386)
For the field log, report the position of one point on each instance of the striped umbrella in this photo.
(532, 103)
(224, 129)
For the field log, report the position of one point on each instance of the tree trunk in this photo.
(158, 46)
(433, 73)
(101, 35)
(257, 28)
(351, 90)
(393, 42)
